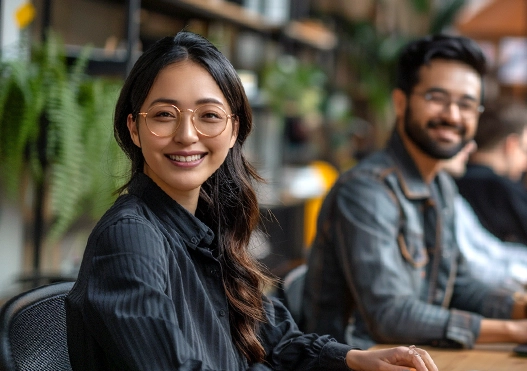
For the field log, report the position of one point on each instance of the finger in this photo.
(412, 356)
(421, 359)
(427, 359)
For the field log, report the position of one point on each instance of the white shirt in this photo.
(490, 259)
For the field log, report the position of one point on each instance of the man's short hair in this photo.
(422, 51)
(498, 122)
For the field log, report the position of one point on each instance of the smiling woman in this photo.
(167, 279)
(182, 151)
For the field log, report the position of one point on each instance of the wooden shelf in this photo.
(212, 9)
(306, 32)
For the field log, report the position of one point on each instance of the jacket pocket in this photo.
(412, 247)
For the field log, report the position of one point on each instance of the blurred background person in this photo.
(491, 260)
(492, 183)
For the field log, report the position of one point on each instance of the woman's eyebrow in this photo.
(175, 102)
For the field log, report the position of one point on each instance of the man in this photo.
(385, 254)
(491, 260)
(492, 183)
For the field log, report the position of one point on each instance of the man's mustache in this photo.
(433, 124)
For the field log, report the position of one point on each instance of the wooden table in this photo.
(491, 357)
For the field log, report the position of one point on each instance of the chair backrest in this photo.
(293, 286)
(33, 330)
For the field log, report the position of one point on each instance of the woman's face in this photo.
(181, 162)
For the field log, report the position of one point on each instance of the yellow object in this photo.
(329, 175)
(25, 14)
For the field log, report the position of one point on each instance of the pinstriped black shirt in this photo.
(149, 296)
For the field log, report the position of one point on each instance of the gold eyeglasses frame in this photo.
(180, 116)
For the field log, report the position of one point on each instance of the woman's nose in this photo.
(186, 132)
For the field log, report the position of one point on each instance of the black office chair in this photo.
(33, 330)
(293, 286)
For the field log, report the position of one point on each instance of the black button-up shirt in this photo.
(499, 202)
(149, 296)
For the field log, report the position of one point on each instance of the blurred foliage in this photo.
(294, 88)
(56, 133)
(446, 15)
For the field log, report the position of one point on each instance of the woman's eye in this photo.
(165, 114)
(210, 115)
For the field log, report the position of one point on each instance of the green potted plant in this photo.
(55, 139)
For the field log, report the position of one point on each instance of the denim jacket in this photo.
(374, 265)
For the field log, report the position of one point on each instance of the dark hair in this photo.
(227, 202)
(498, 122)
(422, 51)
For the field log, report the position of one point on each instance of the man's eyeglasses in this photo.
(163, 120)
(440, 100)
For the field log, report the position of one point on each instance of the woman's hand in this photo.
(390, 359)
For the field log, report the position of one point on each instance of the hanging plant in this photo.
(56, 134)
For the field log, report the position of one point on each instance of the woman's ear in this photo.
(235, 127)
(133, 129)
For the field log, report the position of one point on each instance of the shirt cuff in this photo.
(462, 330)
(333, 356)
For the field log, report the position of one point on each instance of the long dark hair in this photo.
(227, 202)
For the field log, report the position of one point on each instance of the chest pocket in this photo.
(411, 239)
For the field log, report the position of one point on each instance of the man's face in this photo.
(442, 111)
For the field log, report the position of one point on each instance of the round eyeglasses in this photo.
(163, 120)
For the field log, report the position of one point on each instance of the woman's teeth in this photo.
(184, 158)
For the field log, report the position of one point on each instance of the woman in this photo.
(166, 281)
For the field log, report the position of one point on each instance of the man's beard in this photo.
(426, 144)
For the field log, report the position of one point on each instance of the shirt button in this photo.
(222, 313)
(214, 272)
(194, 240)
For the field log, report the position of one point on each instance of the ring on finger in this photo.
(413, 351)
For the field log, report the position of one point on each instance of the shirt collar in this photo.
(193, 231)
(412, 184)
